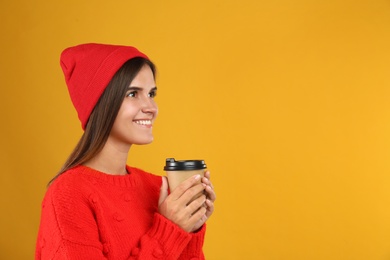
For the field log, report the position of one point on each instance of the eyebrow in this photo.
(138, 88)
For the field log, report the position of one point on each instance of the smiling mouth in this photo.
(143, 122)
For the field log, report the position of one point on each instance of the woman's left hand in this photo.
(209, 204)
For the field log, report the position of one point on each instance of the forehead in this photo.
(144, 78)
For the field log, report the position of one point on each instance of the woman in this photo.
(98, 207)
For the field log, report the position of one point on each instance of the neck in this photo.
(111, 159)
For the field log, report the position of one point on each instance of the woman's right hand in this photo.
(177, 207)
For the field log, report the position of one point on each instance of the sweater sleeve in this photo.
(194, 248)
(69, 230)
(164, 240)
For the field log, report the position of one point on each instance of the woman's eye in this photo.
(153, 94)
(131, 94)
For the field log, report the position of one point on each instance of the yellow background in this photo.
(287, 101)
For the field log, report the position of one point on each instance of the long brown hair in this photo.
(103, 115)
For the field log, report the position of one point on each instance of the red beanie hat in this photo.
(88, 68)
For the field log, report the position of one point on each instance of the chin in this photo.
(143, 142)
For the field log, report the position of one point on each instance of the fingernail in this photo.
(197, 177)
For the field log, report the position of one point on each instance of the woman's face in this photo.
(133, 124)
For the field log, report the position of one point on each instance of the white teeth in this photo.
(143, 122)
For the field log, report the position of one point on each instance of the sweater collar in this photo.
(128, 180)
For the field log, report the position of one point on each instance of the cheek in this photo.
(155, 106)
(156, 110)
(124, 116)
(127, 111)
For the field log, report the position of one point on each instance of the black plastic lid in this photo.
(186, 165)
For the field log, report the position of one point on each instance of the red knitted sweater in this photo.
(88, 214)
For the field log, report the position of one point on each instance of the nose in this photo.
(149, 106)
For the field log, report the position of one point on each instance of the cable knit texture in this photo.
(87, 214)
